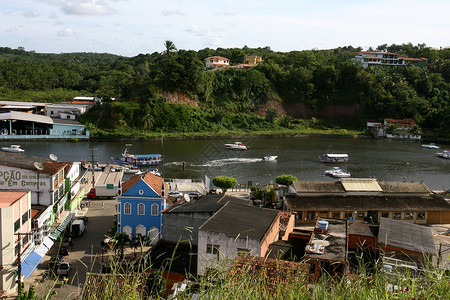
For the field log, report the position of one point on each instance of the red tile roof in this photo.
(217, 57)
(400, 122)
(155, 182)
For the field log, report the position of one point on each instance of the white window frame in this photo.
(153, 208)
(141, 206)
(127, 206)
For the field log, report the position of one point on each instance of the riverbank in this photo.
(146, 135)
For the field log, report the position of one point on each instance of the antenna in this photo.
(53, 157)
(38, 166)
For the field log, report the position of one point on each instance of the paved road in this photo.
(85, 255)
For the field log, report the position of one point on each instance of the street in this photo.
(84, 257)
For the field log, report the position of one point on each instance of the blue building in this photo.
(139, 206)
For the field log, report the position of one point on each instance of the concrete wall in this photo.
(228, 250)
(183, 227)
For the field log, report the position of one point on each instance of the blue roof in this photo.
(30, 263)
(146, 155)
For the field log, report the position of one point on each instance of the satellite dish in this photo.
(38, 166)
(53, 157)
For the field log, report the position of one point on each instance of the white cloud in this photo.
(29, 14)
(66, 32)
(173, 12)
(87, 8)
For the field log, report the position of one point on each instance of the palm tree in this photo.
(121, 239)
(415, 130)
(170, 46)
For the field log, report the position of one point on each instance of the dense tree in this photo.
(224, 182)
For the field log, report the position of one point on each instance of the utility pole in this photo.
(92, 165)
(19, 263)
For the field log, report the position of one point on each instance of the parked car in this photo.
(175, 194)
(63, 268)
(194, 195)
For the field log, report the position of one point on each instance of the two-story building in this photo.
(15, 226)
(235, 230)
(139, 206)
(216, 62)
(390, 59)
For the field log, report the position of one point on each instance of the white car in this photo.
(63, 268)
(176, 194)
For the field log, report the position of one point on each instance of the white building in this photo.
(66, 110)
(217, 62)
(232, 232)
(15, 219)
(384, 58)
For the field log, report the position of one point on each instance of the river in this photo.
(386, 160)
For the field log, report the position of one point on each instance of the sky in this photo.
(132, 27)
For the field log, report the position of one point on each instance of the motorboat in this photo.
(13, 149)
(341, 174)
(270, 157)
(430, 146)
(133, 170)
(332, 170)
(137, 159)
(444, 154)
(154, 171)
(334, 158)
(236, 146)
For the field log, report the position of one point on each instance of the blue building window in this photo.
(154, 209)
(127, 208)
(141, 209)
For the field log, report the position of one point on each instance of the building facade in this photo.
(231, 232)
(15, 225)
(216, 62)
(139, 206)
(390, 59)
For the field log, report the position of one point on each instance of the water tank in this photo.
(323, 225)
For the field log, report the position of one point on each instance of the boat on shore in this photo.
(334, 158)
(236, 146)
(13, 149)
(137, 159)
(269, 157)
(430, 146)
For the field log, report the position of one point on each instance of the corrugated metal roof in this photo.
(360, 185)
(15, 115)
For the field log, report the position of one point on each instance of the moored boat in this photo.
(430, 146)
(137, 159)
(334, 158)
(236, 146)
(13, 149)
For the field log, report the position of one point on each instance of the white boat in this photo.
(341, 174)
(270, 157)
(13, 149)
(430, 146)
(444, 154)
(154, 171)
(137, 159)
(332, 171)
(133, 170)
(236, 146)
(334, 158)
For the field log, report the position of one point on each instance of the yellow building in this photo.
(253, 60)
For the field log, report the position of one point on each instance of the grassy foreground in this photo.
(247, 282)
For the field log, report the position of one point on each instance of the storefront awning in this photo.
(30, 263)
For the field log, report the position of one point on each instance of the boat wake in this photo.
(227, 161)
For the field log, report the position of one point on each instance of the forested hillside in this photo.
(171, 92)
